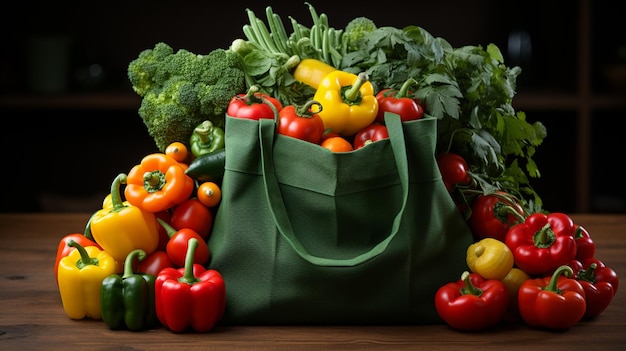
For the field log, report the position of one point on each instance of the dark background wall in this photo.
(63, 159)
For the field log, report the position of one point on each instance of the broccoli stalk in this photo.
(182, 89)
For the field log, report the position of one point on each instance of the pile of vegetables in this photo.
(140, 254)
(468, 89)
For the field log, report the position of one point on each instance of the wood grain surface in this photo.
(32, 316)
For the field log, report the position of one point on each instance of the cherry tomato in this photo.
(192, 214)
(494, 214)
(177, 151)
(301, 123)
(454, 170)
(337, 144)
(209, 194)
(370, 134)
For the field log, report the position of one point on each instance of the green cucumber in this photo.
(208, 167)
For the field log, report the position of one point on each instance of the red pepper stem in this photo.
(188, 276)
(404, 89)
(561, 270)
(469, 289)
(116, 197)
(352, 94)
(168, 228)
(544, 237)
(128, 263)
(589, 274)
(85, 259)
(305, 111)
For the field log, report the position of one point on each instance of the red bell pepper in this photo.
(399, 102)
(370, 134)
(254, 105)
(64, 249)
(599, 282)
(542, 242)
(585, 247)
(472, 302)
(301, 122)
(553, 302)
(177, 245)
(190, 297)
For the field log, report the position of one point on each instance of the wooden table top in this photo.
(32, 316)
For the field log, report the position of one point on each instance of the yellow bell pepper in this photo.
(490, 258)
(80, 276)
(348, 102)
(120, 227)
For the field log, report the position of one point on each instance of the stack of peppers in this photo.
(136, 258)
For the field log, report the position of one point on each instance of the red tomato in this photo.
(253, 105)
(154, 263)
(301, 123)
(398, 102)
(177, 248)
(454, 170)
(494, 214)
(370, 134)
(192, 214)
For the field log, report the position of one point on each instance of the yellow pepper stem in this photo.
(352, 94)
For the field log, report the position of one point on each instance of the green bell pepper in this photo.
(206, 138)
(128, 301)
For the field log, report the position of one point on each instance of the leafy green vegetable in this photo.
(470, 91)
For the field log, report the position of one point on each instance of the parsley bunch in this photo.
(470, 91)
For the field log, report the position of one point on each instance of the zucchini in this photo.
(208, 167)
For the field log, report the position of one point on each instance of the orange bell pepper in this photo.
(158, 183)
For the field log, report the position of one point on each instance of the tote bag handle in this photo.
(279, 212)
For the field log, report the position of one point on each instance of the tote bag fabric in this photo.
(307, 236)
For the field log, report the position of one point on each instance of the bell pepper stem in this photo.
(85, 259)
(469, 289)
(589, 274)
(561, 270)
(116, 197)
(352, 94)
(544, 237)
(404, 89)
(128, 263)
(204, 130)
(188, 276)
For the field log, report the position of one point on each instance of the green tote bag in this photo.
(307, 236)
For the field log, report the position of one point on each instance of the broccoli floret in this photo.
(182, 89)
(356, 30)
(142, 71)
